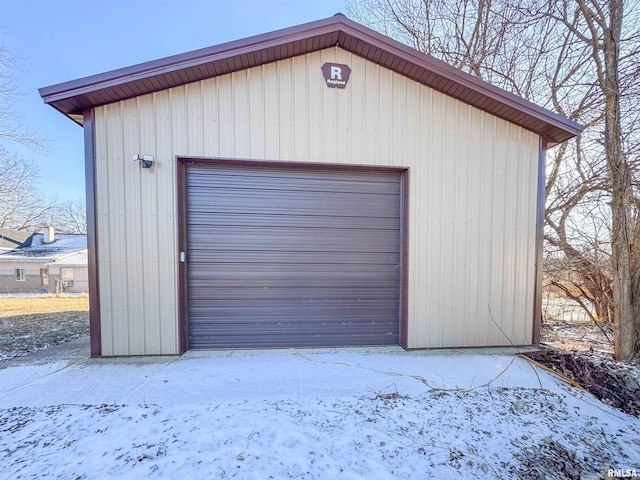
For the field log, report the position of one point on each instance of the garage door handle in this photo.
(183, 257)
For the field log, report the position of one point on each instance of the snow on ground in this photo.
(319, 414)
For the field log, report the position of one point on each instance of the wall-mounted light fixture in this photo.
(145, 160)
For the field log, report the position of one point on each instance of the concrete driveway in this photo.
(65, 375)
(315, 414)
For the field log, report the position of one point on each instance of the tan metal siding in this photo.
(472, 191)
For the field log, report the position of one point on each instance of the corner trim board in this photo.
(95, 324)
(539, 255)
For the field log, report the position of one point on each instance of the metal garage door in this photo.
(287, 257)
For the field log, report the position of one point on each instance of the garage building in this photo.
(321, 185)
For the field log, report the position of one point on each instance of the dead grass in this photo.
(28, 324)
(12, 306)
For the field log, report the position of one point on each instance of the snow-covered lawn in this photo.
(33, 322)
(324, 414)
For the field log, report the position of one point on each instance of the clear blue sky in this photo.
(60, 40)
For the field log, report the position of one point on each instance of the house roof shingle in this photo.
(10, 239)
(35, 248)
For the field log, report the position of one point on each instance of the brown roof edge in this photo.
(182, 60)
(464, 79)
(69, 97)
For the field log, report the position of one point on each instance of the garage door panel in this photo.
(295, 203)
(280, 180)
(275, 317)
(283, 294)
(292, 258)
(293, 276)
(320, 244)
(223, 185)
(283, 340)
(202, 222)
(285, 335)
(299, 328)
(291, 314)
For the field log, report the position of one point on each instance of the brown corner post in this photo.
(404, 263)
(95, 330)
(540, 209)
(182, 249)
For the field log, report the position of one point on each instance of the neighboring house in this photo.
(12, 239)
(320, 185)
(46, 263)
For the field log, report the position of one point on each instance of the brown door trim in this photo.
(404, 259)
(183, 161)
(182, 247)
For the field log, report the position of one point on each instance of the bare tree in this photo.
(10, 126)
(21, 206)
(69, 217)
(580, 59)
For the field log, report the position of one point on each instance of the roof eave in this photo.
(174, 63)
(557, 128)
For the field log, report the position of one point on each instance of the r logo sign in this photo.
(336, 74)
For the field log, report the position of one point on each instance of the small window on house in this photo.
(67, 273)
(44, 276)
(20, 277)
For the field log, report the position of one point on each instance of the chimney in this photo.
(49, 235)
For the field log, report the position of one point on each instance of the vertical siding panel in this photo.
(423, 219)
(226, 121)
(177, 121)
(195, 131)
(462, 232)
(370, 121)
(357, 92)
(240, 114)
(490, 232)
(285, 117)
(510, 228)
(271, 111)
(315, 88)
(523, 185)
(527, 192)
(132, 279)
(517, 242)
(421, 285)
(431, 236)
(384, 153)
(476, 237)
(397, 131)
(449, 241)
(257, 118)
(343, 112)
(300, 94)
(417, 130)
(210, 118)
(102, 223)
(116, 229)
(162, 325)
(500, 227)
(329, 112)
(149, 229)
